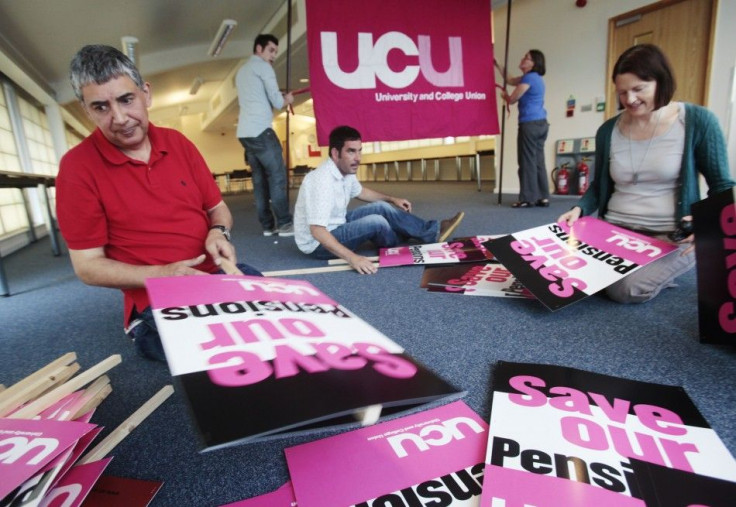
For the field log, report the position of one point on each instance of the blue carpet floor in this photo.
(50, 313)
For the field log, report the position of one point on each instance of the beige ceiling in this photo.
(41, 36)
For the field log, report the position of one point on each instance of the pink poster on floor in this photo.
(413, 69)
(474, 279)
(561, 265)
(457, 250)
(28, 445)
(563, 437)
(435, 454)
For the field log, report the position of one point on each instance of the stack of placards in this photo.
(45, 428)
(471, 249)
(263, 357)
(561, 265)
(558, 437)
(566, 437)
(474, 279)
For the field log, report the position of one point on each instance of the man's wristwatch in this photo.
(224, 230)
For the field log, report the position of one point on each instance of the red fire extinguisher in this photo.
(583, 176)
(561, 179)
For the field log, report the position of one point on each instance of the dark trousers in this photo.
(263, 154)
(533, 177)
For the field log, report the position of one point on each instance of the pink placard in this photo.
(621, 242)
(191, 290)
(28, 445)
(360, 465)
(513, 487)
(75, 485)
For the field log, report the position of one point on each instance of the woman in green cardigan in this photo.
(647, 163)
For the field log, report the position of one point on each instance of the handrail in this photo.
(9, 179)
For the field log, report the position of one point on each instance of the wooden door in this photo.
(683, 29)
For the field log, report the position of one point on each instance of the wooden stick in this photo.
(89, 398)
(369, 415)
(306, 271)
(108, 443)
(35, 388)
(66, 373)
(333, 262)
(48, 399)
(228, 267)
(67, 358)
(93, 401)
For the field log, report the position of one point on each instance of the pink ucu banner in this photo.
(414, 69)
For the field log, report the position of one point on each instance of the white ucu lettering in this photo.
(635, 244)
(33, 451)
(373, 63)
(446, 432)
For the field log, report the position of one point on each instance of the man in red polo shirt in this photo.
(133, 200)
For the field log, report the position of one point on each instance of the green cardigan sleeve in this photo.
(705, 153)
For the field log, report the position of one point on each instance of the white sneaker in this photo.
(270, 232)
(286, 230)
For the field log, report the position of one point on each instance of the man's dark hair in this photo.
(263, 39)
(99, 64)
(538, 58)
(648, 63)
(340, 134)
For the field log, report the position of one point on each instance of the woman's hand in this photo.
(571, 216)
(689, 239)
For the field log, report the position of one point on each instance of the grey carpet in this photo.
(50, 313)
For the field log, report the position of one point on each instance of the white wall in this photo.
(575, 43)
(723, 69)
(221, 150)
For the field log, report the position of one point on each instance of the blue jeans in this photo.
(382, 224)
(145, 333)
(263, 154)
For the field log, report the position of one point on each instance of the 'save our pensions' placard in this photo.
(259, 357)
(561, 265)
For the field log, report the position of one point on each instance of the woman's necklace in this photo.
(635, 172)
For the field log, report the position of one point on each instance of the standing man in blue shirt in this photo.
(258, 96)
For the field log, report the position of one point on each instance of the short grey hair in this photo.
(99, 64)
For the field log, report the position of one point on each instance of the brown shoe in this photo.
(448, 226)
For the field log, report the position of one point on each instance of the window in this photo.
(38, 137)
(13, 215)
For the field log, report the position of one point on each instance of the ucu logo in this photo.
(441, 434)
(32, 451)
(637, 245)
(275, 287)
(373, 61)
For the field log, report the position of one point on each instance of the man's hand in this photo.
(218, 246)
(401, 203)
(183, 268)
(362, 265)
